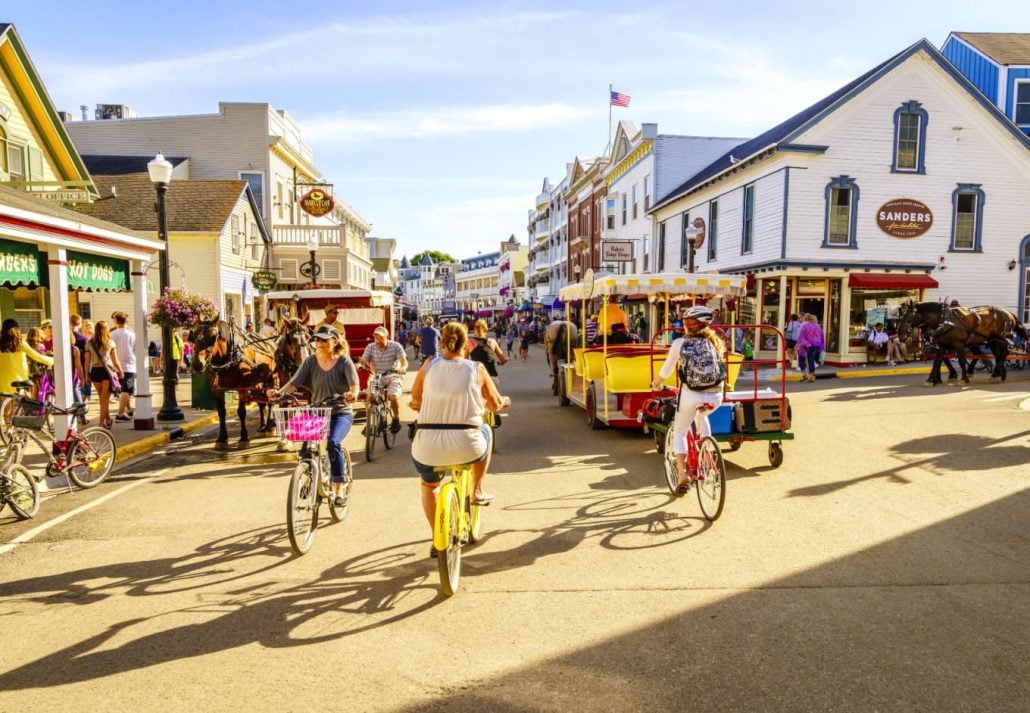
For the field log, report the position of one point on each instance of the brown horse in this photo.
(228, 369)
(557, 337)
(956, 329)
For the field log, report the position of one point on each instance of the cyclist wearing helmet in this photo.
(697, 326)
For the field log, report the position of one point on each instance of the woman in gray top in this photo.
(326, 373)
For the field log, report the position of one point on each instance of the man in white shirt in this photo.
(382, 355)
(878, 343)
(125, 344)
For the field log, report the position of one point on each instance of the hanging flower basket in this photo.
(179, 307)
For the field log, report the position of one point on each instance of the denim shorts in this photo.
(429, 475)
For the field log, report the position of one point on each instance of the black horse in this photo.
(957, 329)
(228, 368)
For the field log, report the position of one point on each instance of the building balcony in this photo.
(542, 230)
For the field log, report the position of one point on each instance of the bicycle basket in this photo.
(29, 413)
(303, 423)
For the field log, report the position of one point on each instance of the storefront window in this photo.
(869, 307)
(770, 291)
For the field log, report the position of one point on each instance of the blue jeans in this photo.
(339, 427)
(811, 356)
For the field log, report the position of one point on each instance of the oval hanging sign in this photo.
(316, 202)
(904, 218)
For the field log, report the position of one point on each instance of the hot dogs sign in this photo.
(904, 218)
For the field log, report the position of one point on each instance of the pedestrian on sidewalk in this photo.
(101, 365)
(87, 385)
(125, 343)
(811, 344)
(791, 335)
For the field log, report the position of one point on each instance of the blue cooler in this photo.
(721, 419)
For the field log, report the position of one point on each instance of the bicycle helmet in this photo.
(699, 314)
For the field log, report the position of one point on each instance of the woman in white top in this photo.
(450, 394)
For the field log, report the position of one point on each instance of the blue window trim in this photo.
(684, 248)
(849, 183)
(968, 189)
(1023, 263)
(746, 249)
(713, 230)
(910, 107)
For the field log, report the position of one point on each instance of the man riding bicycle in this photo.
(699, 356)
(381, 356)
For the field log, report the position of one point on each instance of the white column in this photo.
(143, 415)
(57, 266)
(784, 316)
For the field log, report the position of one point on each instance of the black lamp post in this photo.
(311, 269)
(161, 174)
(691, 234)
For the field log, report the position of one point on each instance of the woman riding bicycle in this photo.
(485, 349)
(699, 339)
(450, 394)
(326, 373)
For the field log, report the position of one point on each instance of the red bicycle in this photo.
(84, 457)
(705, 466)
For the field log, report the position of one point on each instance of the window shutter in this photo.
(35, 164)
(331, 270)
(288, 269)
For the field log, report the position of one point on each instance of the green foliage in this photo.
(435, 256)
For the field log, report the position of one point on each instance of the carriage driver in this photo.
(382, 355)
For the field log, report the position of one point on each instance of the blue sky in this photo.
(437, 121)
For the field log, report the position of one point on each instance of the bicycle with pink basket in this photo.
(310, 483)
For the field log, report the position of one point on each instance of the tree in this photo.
(435, 255)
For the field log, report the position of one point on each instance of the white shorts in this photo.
(394, 386)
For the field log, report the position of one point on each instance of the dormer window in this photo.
(910, 120)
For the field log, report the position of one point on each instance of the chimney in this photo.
(84, 108)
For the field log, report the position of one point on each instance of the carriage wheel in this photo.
(593, 419)
(563, 395)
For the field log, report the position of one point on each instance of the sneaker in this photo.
(433, 552)
(122, 417)
(395, 427)
(339, 502)
(890, 363)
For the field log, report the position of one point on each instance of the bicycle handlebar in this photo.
(328, 402)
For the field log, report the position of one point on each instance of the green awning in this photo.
(21, 264)
(95, 273)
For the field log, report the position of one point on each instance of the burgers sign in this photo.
(904, 218)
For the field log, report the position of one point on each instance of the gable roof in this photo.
(193, 206)
(104, 165)
(780, 136)
(39, 110)
(22, 200)
(1003, 47)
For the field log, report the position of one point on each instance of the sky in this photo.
(438, 121)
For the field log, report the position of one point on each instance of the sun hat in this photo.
(47, 323)
(381, 330)
(325, 332)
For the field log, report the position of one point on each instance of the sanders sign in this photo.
(904, 218)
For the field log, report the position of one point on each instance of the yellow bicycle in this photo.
(457, 522)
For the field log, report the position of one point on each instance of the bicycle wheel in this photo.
(711, 484)
(90, 460)
(23, 492)
(389, 437)
(302, 507)
(6, 411)
(672, 474)
(371, 432)
(338, 512)
(448, 534)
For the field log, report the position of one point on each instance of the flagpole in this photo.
(609, 144)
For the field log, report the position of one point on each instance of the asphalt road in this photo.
(884, 567)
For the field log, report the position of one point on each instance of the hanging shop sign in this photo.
(20, 264)
(318, 201)
(95, 273)
(904, 218)
(264, 280)
(616, 250)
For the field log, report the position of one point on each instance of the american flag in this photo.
(620, 99)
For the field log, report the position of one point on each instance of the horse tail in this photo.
(558, 348)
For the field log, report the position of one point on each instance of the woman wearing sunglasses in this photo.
(326, 373)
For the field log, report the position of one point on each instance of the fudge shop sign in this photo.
(904, 218)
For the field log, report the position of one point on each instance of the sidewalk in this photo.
(856, 372)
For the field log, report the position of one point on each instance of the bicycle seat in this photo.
(25, 384)
(706, 407)
(444, 469)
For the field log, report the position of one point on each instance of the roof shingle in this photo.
(1005, 48)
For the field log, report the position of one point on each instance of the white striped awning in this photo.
(671, 283)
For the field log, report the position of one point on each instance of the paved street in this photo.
(884, 566)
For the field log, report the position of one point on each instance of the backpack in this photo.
(700, 365)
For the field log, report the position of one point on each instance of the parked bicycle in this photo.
(7, 402)
(310, 483)
(84, 457)
(457, 523)
(379, 416)
(18, 488)
(706, 469)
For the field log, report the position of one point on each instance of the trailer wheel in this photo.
(775, 455)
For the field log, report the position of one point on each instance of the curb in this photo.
(136, 448)
(859, 373)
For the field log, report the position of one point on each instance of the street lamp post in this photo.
(311, 269)
(691, 233)
(160, 171)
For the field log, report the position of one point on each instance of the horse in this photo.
(228, 369)
(556, 340)
(955, 329)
